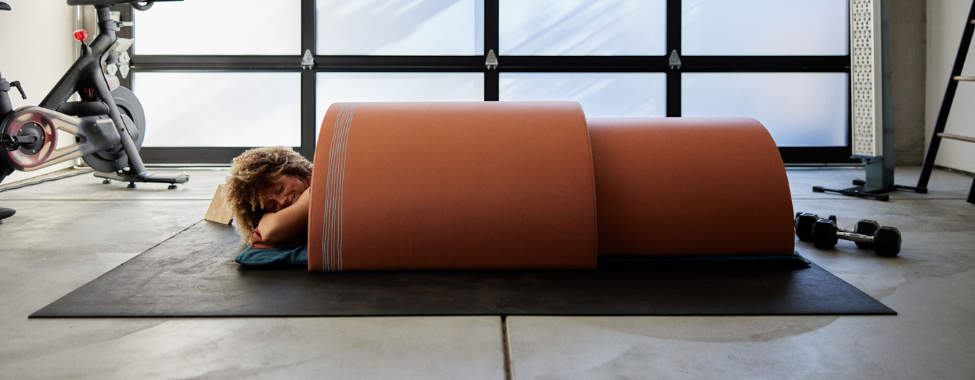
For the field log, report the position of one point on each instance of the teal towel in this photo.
(274, 256)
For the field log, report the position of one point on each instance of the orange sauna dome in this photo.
(690, 186)
(533, 185)
(453, 185)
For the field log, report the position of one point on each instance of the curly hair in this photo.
(251, 174)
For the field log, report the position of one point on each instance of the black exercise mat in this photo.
(193, 274)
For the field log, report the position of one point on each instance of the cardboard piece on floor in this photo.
(219, 210)
(193, 274)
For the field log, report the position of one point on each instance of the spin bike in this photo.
(108, 123)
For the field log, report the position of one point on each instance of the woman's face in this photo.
(284, 192)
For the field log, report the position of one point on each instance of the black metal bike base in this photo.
(861, 191)
(144, 177)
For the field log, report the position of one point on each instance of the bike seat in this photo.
(4, 6)
(108, 2)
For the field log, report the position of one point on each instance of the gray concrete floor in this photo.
(69, 231)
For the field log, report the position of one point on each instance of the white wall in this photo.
(36, 48)
(946, 20)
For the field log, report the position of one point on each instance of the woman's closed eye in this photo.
(272, 204)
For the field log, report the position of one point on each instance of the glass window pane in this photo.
(764, 27)
(601, 94)
(395, 87)
(395, 27)
(223, 109)
(582, 27)
(799, 109)
(219, 27)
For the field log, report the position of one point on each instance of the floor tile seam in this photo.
(508, 363)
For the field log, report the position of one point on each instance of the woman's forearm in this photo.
(286, 225)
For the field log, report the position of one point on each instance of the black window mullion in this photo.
(585, 64)
(308, 26)
(492, 26)
(817, 155)
(195, 155)
(308, 82)
(398, 63)
(766, 64)
(264, 63)
(674, 15)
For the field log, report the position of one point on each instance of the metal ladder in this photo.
(939, 127)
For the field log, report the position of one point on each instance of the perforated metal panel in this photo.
(867, 77)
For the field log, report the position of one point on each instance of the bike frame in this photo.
(86, 77)
(86, 74)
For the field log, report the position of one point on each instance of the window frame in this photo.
(470, 64)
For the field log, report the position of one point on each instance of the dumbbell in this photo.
(805, 221)
(886, 241)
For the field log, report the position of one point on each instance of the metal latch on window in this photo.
(307, 60)
(674, 60)
(491, 61)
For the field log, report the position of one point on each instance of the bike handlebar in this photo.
(142, 7)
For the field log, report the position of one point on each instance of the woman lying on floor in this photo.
(269, 193)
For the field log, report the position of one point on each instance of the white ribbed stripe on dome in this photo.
(334, 184)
